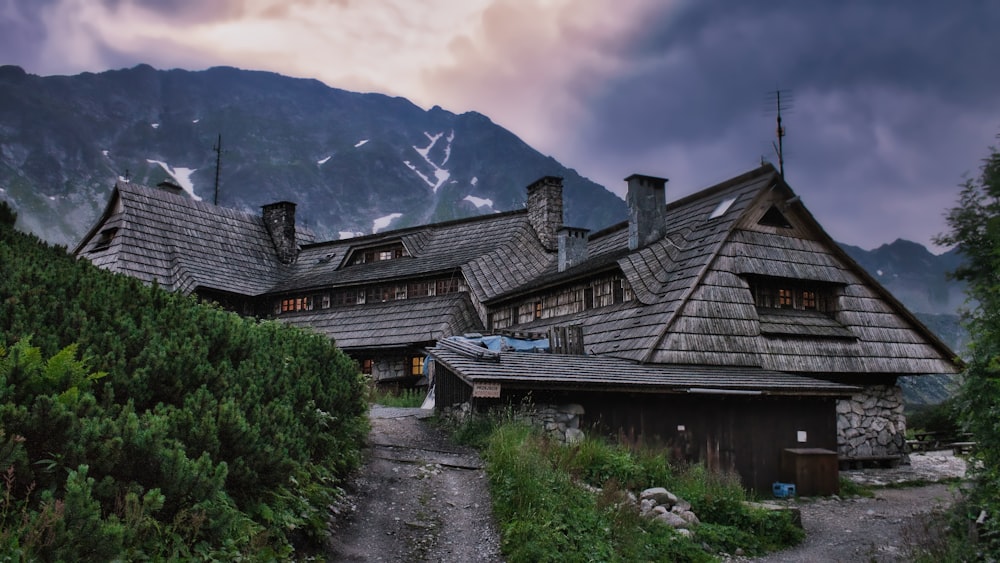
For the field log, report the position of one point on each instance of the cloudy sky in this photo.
(892, 103)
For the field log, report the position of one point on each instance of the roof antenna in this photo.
(218, 166)
(781, 105)
(127, 175)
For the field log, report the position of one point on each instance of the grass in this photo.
(572, 503)
(405, 398)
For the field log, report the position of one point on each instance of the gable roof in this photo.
(182, 244)
(692, 303)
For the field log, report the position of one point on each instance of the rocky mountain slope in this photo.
(352, 162)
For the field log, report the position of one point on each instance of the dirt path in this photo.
(864, 529)
(417, 498)
(882, 528)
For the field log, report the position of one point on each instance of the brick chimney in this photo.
(279, 220)
(545, 210)
(572, 247)
(647, 209)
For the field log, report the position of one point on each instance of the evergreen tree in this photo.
(975, 229)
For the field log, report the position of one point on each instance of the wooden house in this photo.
(737, 282)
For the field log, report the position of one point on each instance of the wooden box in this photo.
(814, 471)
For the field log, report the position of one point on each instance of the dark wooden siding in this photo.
(741, 434)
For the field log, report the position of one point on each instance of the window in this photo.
(538, 309)
(366, 366)
(326, 301)
(420, 289)
(401, 291)
(104, 242)
(447, 286)
(378, 254)
(774, 218)
(293, 304)
(777, 293)
(417, 365)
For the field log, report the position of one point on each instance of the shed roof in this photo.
(523, 370)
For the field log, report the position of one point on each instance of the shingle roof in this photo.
(393, 324)
(182, 244)
(692, 301)
(495, 251)
(525, 370)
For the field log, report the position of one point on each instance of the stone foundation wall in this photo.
(560, 422)
(871, 423)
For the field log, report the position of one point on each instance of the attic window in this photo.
(378, 254)
(296, 304)
(774, 218)
(104, 242)
(723, 206)
(780, 293)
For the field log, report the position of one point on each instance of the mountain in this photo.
(352, 162)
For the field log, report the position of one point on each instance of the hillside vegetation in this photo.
(140, 424)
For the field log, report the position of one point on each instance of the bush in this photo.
(142, 424)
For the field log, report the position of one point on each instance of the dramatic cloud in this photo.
(890, 102)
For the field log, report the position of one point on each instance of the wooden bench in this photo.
(961, 448)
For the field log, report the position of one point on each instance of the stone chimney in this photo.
(647, 209)
(572, 247)
(545, 210)
(279, 220)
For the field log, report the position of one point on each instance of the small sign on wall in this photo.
(801, 435)
(486, 390)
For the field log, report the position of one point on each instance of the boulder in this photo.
(660, 495)
(672, 520)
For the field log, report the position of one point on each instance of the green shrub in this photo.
(172, 429)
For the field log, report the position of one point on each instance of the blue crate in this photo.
(783, 490)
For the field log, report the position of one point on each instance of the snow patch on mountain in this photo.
(180, 175)
(478, 201)
(360, 143)
(322, 160)
(475, 180)
(383, 222)
(105, 152)
(195, 120)
(441, 174)
(154, 125)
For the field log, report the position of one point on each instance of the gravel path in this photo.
(418, 497)
(884, 528)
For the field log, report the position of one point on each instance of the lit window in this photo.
(538, 309)
(809, 300)
(296, 304)
(385, 255)
(366, 366)
(417, 365)
(785, 298)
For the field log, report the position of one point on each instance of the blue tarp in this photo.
(507, 343)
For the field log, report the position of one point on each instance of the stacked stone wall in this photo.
(560, 422)
(871, 423)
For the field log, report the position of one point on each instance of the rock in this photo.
(672, 520)
(690, 518)
(685, 532)
(646, 506)
(574, 436)
(680, 506)
(660, 495)
(659, 509)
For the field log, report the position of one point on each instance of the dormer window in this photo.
(784, 293)
(104, 241)
(378, 254)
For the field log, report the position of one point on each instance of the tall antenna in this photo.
(783, 100)
(218, 166)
